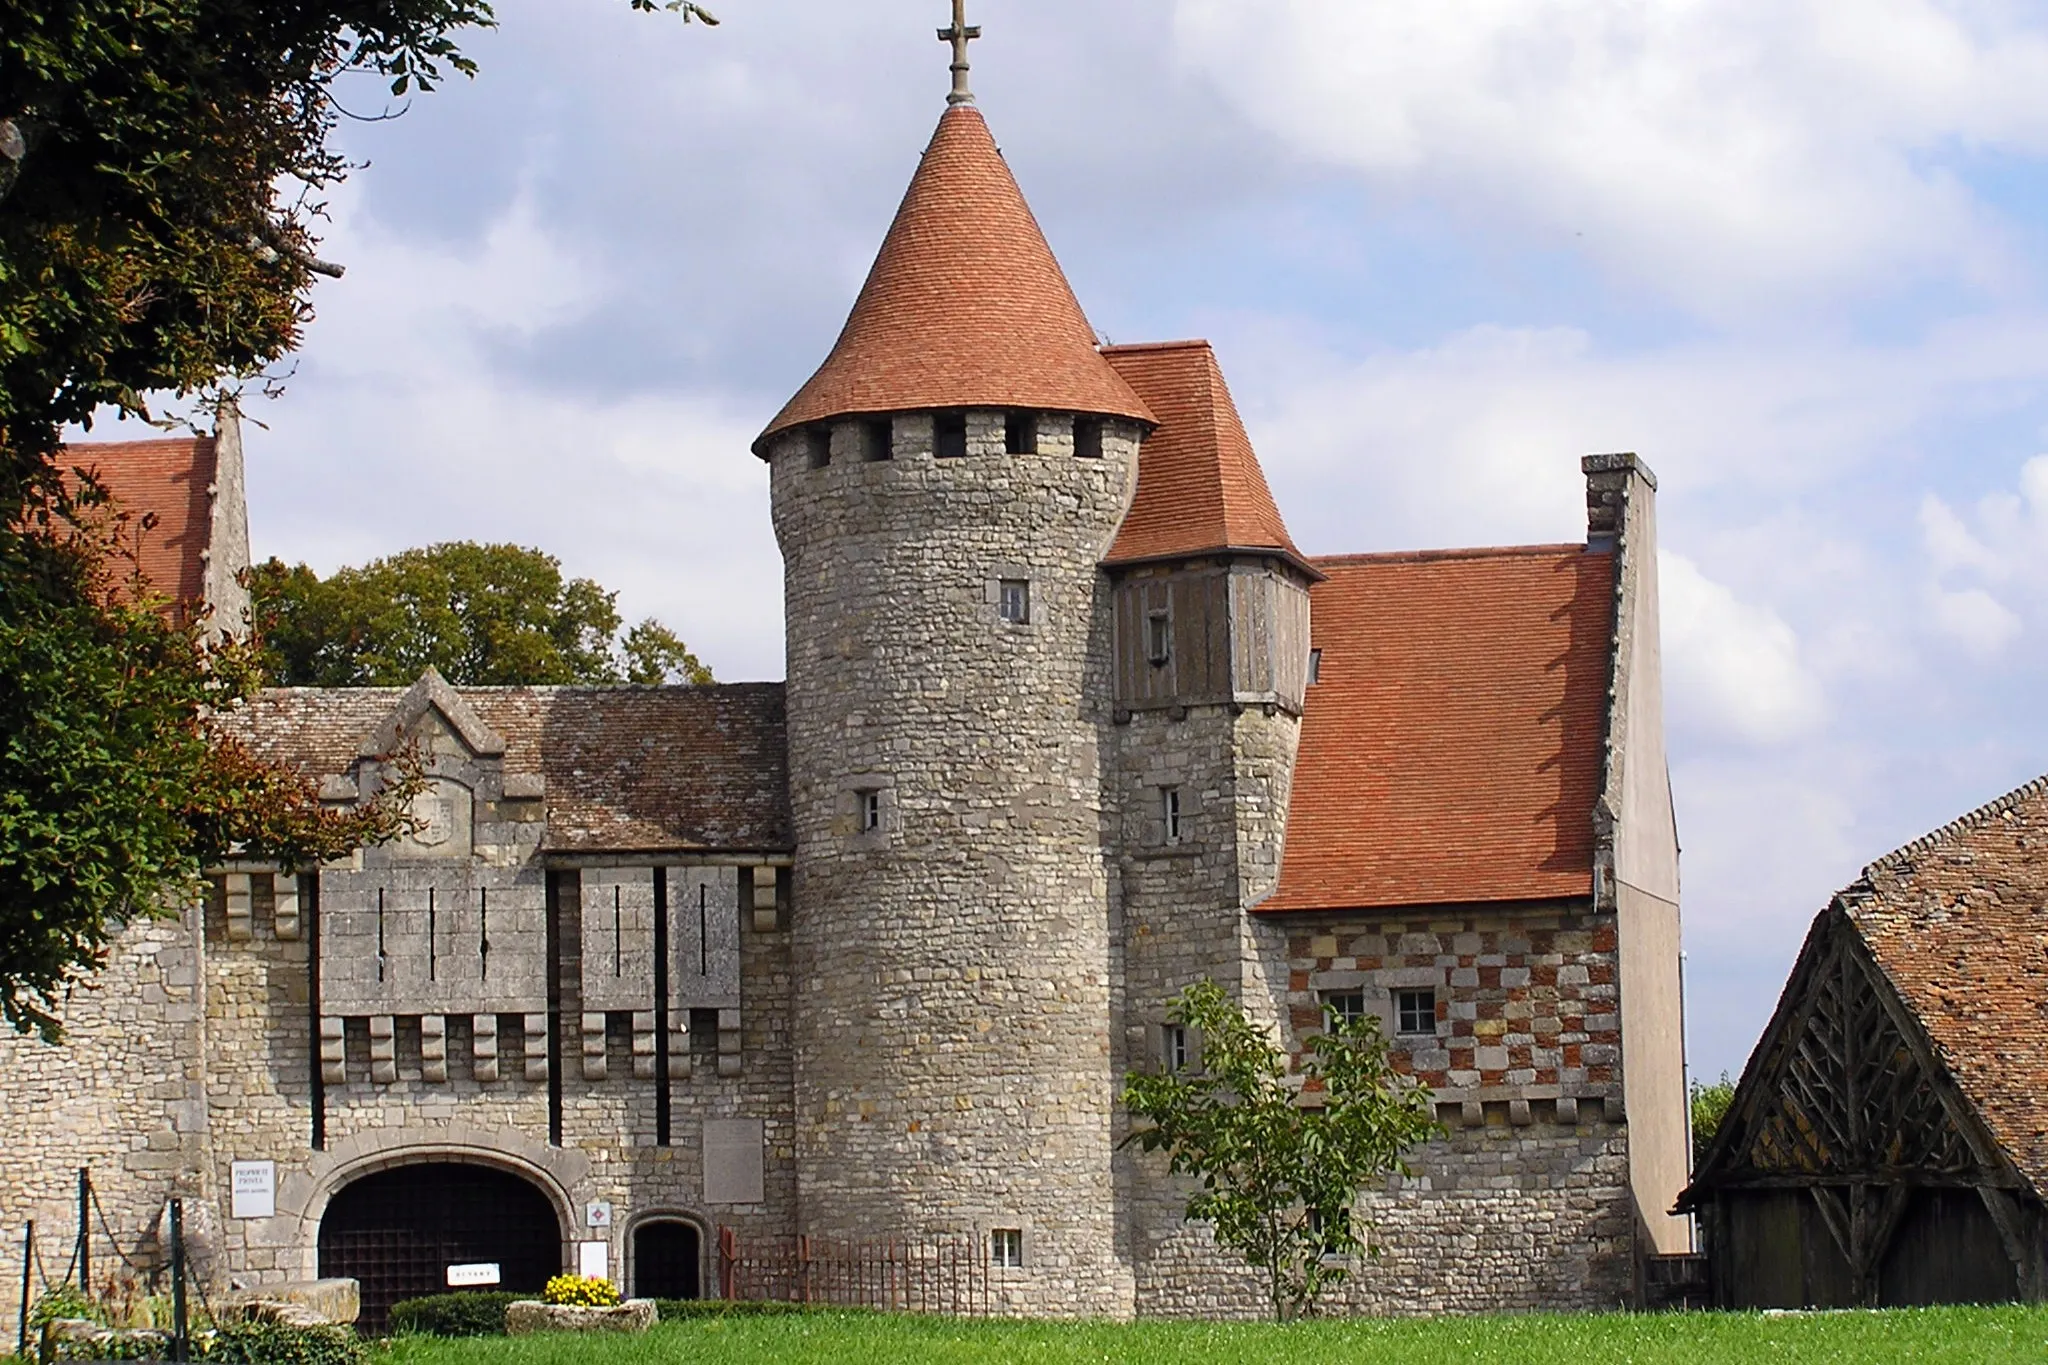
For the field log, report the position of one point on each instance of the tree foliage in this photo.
(1710, 1105)
(161, 170)
(1280, 1161)
(484, 615)
(119, 782)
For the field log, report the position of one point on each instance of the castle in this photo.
(1070, 722)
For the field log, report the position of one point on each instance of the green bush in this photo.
(64, 1301)
(477, 1314)
(274, 1343)
(148, 1345)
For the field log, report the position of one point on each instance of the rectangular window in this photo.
(1020, 433)
(1169, 813)
(1013, 598)
(1088, 437)
(1345, 1005)
(1173, 1047)
(870, 811)
(1158, 637)
(1006, 1248)
(1415, 1011)
(818, 445)
(1315, 665)
(949, 435)
(877, 439)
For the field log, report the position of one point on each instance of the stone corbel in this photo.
(643, 1045)
(434, 1048)
(240, 907)
(534, 1034)
(728, 1042)
(286, 886)
(593, 1046)
(333, 1051)
(483, 1046)
(383, 1049)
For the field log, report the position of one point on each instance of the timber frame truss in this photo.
(1845, 1099)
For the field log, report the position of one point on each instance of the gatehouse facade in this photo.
(1070, 723)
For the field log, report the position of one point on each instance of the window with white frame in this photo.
(1174, 1051)
(1013, 600)
(1345, 1005)
(1006, 1248)
(1169, 814)
(1415, 1011)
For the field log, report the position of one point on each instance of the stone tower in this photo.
(944, 489)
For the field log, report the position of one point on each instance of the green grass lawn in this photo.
(1923, 1335)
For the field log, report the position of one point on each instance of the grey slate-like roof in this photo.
(627, 769)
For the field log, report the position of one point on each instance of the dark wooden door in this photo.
(667, 1261)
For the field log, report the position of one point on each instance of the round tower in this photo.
(944, 489)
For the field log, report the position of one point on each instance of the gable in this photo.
(1844, 1086)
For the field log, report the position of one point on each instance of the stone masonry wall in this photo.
(954, 1068)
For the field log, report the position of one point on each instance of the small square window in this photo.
(1006, 1248)
(877, 439)
(1315, 665)
(1088, 437)
(949, 435)
(1013, 598)
(1158, 637)
(1415, 1011)
(870, 811)
(1345, 1005)
(1020, 433)
(1169, 813)
(1174, 1052)
(818, 446)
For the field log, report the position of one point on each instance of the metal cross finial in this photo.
(960, 35)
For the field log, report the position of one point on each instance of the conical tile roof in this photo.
(1200, 486)
(965, 306)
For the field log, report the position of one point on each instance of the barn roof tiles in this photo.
(1958, 920)
(1451, 750)
(622, 769)
(1200, 487)
(965, 306)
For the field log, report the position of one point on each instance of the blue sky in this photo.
(1791, 251)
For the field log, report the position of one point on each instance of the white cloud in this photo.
(1976, 620)
(400, 430)
(1735, 663)
(1727, 153)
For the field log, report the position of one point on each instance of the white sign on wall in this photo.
(253, 1190)
(472, 1276)
(593, 1260)
(597, 1215)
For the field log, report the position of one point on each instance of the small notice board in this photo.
(254, 1190)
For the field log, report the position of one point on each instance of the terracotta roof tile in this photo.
(170, 479)
(629, 769)
(1452, 749)
(1199, 482)
(965, 305)
(1958, 920)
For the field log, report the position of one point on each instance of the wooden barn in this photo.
(1888, 1142)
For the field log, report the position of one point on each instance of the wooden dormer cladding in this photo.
(1234, 631)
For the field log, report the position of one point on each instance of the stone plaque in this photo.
(733, 1167)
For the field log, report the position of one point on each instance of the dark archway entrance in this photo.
(667, 1261)
(398, 1231)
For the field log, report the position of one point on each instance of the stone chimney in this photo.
(227, 541)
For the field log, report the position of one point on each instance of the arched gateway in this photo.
(398, 1231)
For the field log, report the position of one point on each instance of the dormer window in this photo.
(1088, 437)
(949, 435)
(1158, 637)
(876, 437)
(1020, 433)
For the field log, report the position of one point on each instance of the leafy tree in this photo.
(161, 168)
(1710, 1104)
(118, 782)
(1280, 1166)
(484, 615)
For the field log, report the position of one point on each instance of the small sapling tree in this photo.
(1280, 1161)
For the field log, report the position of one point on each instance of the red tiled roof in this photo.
(965, 306)
(168, 479)
(626, 769)
(1199, 483)
(1959, 921)
(1452, 749)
